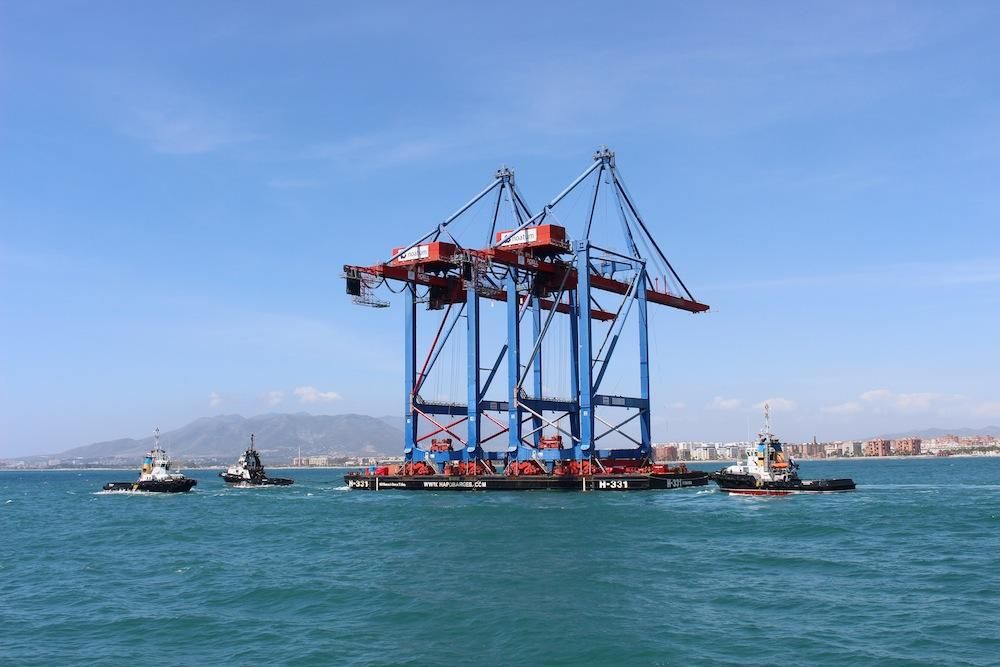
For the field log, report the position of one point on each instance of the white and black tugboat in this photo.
(249, 471)
(763, 469)
(156, 476)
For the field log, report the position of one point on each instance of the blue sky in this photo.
(180, 184)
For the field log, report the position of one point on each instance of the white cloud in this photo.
(875, 395)
(274, 397)
(778, 404)
(913, 402)
(679, 405)
(918, 402)
(722, 403)
(849, 408)
(214, 399)
(314, 395)
(884, 401)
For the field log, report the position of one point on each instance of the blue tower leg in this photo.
(472, 411)
(513, 366)
(585, 351)
(536, 330)
(574, 376)
(647, 445)
(409, 378)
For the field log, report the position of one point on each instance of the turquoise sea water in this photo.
(904, 571)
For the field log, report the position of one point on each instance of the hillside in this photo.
(279, 438)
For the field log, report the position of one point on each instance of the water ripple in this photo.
(904, 571)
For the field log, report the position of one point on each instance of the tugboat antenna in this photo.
(156, 438)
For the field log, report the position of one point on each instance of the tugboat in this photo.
(764, 469)
(156, 476)
(249, 471)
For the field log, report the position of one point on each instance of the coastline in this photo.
(685, 462)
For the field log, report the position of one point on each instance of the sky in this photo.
(181, 184)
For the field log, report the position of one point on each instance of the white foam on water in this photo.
(130, 492)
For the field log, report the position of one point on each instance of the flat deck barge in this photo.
(610, 482)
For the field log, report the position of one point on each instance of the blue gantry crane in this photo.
(540, 273)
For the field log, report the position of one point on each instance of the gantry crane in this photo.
(537, 270)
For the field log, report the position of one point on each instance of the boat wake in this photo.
(128, 492)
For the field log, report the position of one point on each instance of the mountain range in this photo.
(279, 438)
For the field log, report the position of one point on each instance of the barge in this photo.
(417, 477)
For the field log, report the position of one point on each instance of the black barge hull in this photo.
(748, 485)
(267, 481)
(638, 482)
(171, 486)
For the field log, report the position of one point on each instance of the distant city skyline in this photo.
(180, 185)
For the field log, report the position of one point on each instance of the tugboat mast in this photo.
(766, 437)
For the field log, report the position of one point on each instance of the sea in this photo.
(903, 571)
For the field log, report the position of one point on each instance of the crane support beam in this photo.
(528, 263)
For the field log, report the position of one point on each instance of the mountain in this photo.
(278, 437)
(397, 422)
(939, 432)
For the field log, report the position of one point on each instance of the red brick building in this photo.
(665, 453)
(906, 447)
(878, 447)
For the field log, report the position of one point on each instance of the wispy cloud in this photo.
(729, 80)
(383, 149)
(274, 397)
(723, 403)
(214, 399)
(908, 275)
(884, 401)
(181, 131)
(848, 408)
(314, 395)
(777, 404)
(167, 117)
